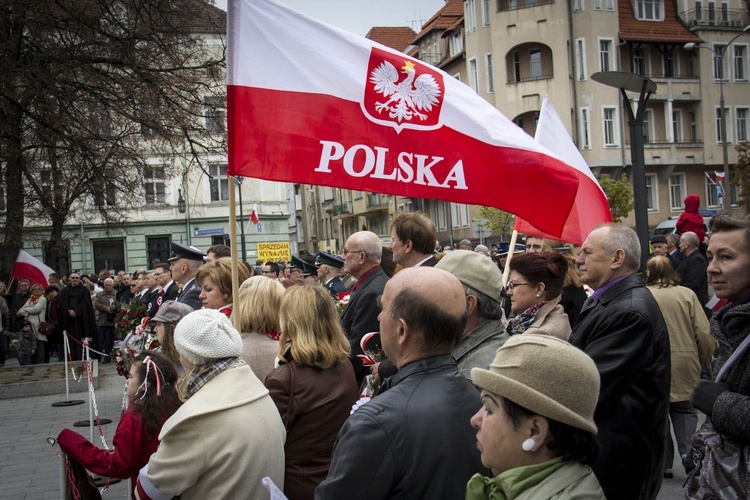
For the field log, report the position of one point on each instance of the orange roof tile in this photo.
(670, 30)
(395, 37)
(444, 18)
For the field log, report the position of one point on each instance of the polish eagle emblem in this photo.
(414, 96)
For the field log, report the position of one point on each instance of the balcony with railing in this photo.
(377, 202)
(711, 17)
(342, 209)
(506, 5)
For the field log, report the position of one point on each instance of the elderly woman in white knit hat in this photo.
(536, 427)
(228, 434)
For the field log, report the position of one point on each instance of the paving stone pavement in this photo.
(30, 469)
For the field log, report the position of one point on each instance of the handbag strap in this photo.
(734, 357)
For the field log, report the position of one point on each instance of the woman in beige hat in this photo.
(536, 428)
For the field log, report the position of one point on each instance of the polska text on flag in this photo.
(30, 268)
(591, 206)
(314, 104)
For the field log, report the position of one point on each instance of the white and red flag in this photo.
(314, 104)
(591, 206)
(720, 175)
(254, 214)
(30, 268)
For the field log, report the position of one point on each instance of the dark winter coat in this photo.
(624, 333)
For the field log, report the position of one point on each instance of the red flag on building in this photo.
(32, 269)
(254, 214)
(314, 104)
(591, 206)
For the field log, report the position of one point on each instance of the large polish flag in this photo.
(314, 104)
(30, 268)
(591, 206)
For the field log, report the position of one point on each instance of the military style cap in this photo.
(306, 268)
(327, 259)
(180, 251)
(659, 238)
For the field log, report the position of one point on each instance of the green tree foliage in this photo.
(741, 179)
(495, 221)
(96, 95)
(619, 194)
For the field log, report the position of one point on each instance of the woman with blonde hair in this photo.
(215, 280)
(258, 322)
(690, 344)
(314, 386)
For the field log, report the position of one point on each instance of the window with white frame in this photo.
(609, 5)
(578, 5)
(648, 10)
(693, 126)
(585, 118)
(606, 55)
(719, 138)
(734, 195)
(470, 15)
(676, 192)
(677, 125)
(712, 193)
(535, 64)
(581, 58)
(463, 211)
(215, 113)
(597, 4)
(456, 43)
(721, 68)
(516, 66)
(610, 126)
(219, 182)
(486, 12)
(670, 62)
(488, 69)
(154, 185)
(740, 63)
(652, 193)
(648, 126)
(438, 215)
(641, 61)
(741, 119)
(473, 75)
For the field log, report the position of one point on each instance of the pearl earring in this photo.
(528, 445)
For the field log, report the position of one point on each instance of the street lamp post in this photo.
(726, 198)
(645, 87)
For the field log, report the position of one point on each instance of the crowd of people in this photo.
(560, 383)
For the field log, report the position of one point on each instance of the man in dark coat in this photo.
(19, 299)
(622, 329)
(414, 439)
(413, 239)
(75, 314)
(693, 267)
(362, 260)
(184, 265)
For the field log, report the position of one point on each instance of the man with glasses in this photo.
(270, 270)
(75, 314)
(170, 289)
(362, 254)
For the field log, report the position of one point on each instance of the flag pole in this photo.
(511, 251)
(233, 246)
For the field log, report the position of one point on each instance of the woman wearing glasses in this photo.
(534, 289)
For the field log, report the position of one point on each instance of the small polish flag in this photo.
(716, 303)
(254, 214)
(30, 268)
(720, 176)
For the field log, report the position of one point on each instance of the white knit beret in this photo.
(207, 334)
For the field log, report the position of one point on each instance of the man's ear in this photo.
(618, 258)
(403, 332)
(471, 304)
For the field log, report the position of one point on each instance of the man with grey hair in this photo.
(362, 254)
(673, 249)
(484, 332)
(693, 269)
(622, 329)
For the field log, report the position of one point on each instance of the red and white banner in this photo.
(591, 206)
(32, 269)
(314, 104)
(254, 214)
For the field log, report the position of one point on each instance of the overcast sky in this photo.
(358, 16)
